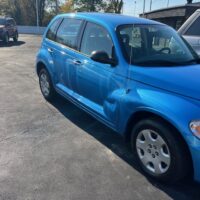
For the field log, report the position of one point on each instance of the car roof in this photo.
(110, 18)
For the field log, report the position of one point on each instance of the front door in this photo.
(96, 81)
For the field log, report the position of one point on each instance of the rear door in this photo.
(49, 46)
(64, 53)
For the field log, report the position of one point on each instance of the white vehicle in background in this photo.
(190, 30)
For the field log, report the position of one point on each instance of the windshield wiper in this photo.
(193, 61)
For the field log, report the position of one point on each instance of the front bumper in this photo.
(194, 146)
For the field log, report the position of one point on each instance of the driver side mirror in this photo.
(102, 57)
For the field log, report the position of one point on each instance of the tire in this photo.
(15, 38)
(6, 38)
(159, 151)
(46, 85)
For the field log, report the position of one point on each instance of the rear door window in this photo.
(2, 21)
(51, 34)
(12, 22)
(68, 32)
(194, 29)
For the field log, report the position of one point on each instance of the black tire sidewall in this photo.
(178, 166)
(15, 38)
(6, 38)
(51, 94)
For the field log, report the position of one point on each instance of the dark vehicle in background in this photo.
(190, 30)
(8, 29)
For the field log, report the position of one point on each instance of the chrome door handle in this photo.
(77, 62)
(50, 50)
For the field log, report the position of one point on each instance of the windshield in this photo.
(2, 21)
(152, 45)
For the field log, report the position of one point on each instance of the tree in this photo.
(99, 5)
(88, 6)
(24, 11)
(67, 6)
(115, 6)
(189, 1)
(11, 8)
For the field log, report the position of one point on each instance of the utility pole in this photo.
(37, 13)
(167, 3)
(144, 4)
(135, 8)
(150, 4)
(56, 7)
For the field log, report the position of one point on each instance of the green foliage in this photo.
(114, 6)
(189, 1)
(67, 7)
(88, 6)
(24, 11)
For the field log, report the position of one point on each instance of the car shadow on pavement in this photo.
(186, 190)
(11, 44)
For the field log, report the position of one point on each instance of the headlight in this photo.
(195, 128)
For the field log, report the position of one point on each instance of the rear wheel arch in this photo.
(141, 115)
(40, 66)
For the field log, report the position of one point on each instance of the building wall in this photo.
(174, 16)
(31, 30)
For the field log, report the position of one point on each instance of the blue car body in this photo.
(115, 95)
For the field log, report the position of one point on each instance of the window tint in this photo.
(68, 32)
(130, 37)
(2, 21)
(51, 34)
(96, 38)
(14, 22)
(11, 22)
(153, 44)
(8, 22)
(194, 28)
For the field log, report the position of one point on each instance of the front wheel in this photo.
(15, 38)
(46, 85)
(160, 153)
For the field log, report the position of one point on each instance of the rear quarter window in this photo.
(51, 33)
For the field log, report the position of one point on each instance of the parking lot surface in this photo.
(57, 151)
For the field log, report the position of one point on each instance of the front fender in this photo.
(174, 108)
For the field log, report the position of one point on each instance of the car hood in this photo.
(183, 80)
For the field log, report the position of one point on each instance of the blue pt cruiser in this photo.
(137, 76)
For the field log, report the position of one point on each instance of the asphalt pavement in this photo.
(57, 151)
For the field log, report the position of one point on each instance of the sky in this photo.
(134, 9)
